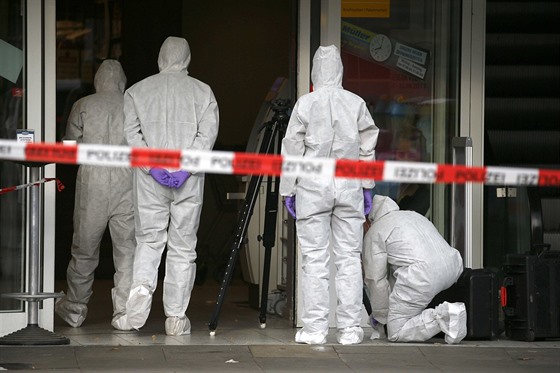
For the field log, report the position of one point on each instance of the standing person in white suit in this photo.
(168, 110)
(406, 264)
(103, 199)
(329, 122)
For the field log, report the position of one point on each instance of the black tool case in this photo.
(478, 289)
(531, 296)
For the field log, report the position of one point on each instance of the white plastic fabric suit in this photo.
(421, 264)
(329, 123)
(168, 110)
(103, 198)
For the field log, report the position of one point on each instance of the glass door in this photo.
(26, 75)
(12, 205)
(403, 58)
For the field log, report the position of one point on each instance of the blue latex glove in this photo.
(178, 178)
(161, 175)
(290, 203)
(368, 197)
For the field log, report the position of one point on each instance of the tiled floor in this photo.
(238, 324)
(241, 345)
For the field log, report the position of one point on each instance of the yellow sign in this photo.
(365, 8)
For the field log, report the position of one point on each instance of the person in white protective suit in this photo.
(103, 199)
(329, 122)
(168, 110)
(406, 264)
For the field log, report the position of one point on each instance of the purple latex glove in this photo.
(178, 178)
(368, 197)
(290, 203)
(161, 175)
(378, 331)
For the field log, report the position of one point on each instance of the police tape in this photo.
(223, 162)
(59, 185)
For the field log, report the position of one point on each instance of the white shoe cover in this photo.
(378, 332)
(452, 318)
(120, 322)
(350, 336)
(73, 313)
(318, 338)
(138, 306)
(175, 325)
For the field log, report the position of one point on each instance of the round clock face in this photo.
(380, 47)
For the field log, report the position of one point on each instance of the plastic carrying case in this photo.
(478, 289)
(531, 295)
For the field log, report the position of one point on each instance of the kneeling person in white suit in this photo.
(406, 264)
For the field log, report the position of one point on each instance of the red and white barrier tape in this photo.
(59, 185)
(222, 162)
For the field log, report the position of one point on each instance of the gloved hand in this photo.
(290, 203)
(368, 197)
(378, 331)
(372, 321)
(161, 175)
(178, 178)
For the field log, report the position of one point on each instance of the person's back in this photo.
(101, 113)
(411, 238)
(99, 119)
(333, 115)
(171, 103)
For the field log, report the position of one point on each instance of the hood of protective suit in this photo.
(174, 55)
(110, 77)
(327, 68)
(381, 206)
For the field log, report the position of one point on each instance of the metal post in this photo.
(461, 203)
(34, 249)
(32, 334)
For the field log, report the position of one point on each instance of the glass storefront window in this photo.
(401, 57)
(12, 204)
(87, 33)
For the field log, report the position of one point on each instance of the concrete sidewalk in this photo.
(282, 358)
(241, 345)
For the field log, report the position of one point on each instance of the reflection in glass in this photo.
(12, 204)
(389, 60)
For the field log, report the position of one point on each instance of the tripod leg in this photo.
(269, 235)
(269, 238)
(241, 232)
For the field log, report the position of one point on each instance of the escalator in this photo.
(522, 124)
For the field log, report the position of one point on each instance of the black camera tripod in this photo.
(275, 130)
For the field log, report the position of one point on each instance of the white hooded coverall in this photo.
(406, 264)
(168, 110)
(103, 197)
(329, 122)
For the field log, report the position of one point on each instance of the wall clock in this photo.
(380, 47)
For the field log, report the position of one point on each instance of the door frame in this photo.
(471, 118)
